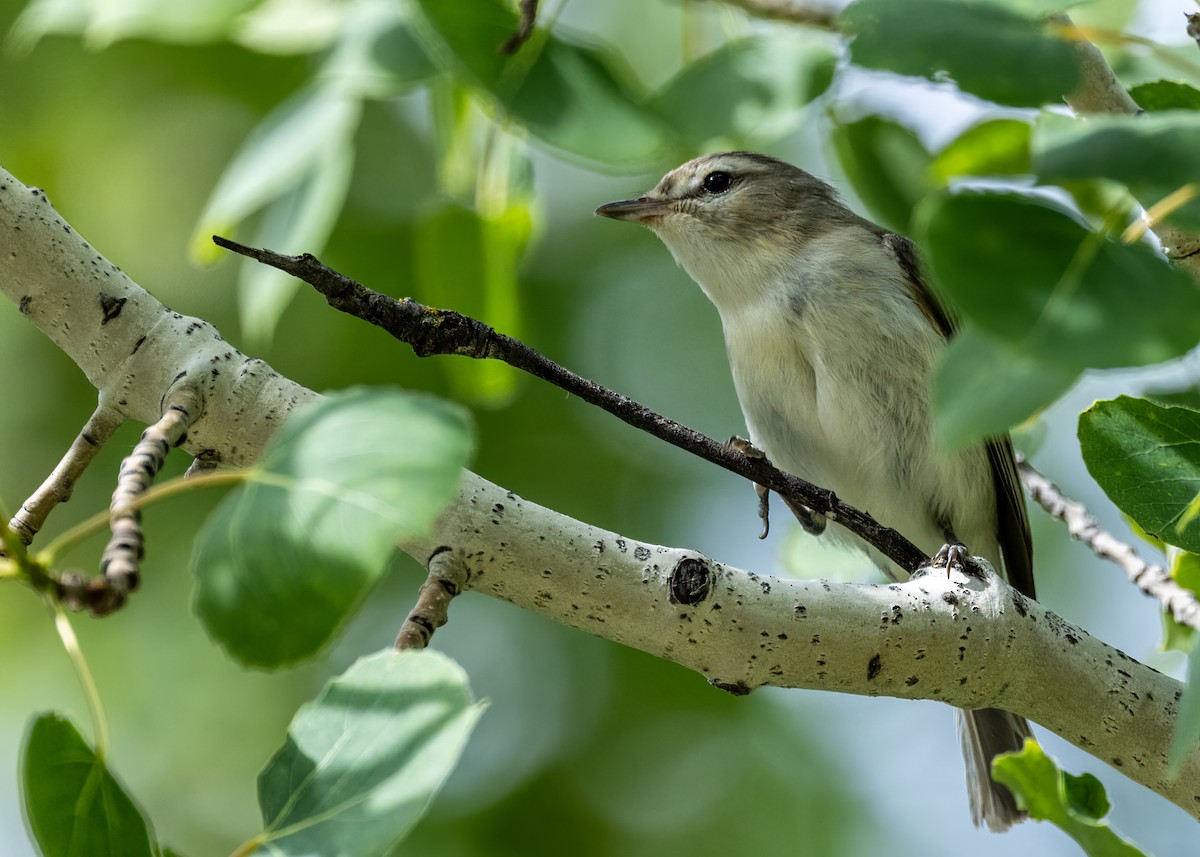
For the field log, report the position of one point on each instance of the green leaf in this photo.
(983, 387)
(1146, 457)
(1161, 95)
(363, 761)
(1075, 804)
(1030, 275)
(102, 22)
(469, 261)
(73, 803)
(376, 53)
(887, 166)
(293, 143)
(1185, 570)
(285, 559)
(998, 147)
(1167, 147)
(990, 51)
(564, 94)
(749, 91)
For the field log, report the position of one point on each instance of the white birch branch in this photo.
(957, 641)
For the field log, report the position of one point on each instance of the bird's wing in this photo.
(1012, 519)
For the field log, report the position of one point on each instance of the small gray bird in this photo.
(833, 336)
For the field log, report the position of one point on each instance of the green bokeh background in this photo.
(588, 748)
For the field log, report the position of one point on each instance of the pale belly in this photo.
(857, 420)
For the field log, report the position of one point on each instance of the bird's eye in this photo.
(717, 182)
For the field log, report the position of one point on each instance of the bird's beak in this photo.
(641, 210)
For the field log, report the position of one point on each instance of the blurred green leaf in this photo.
(748, 91)
(984, 387)
(102, 22)
(998, 147)
(1161, 95)
(564, 94)
(990, 51)
(363, 761)
(285, 559)
(294, 26)
(468, 262)
(1154, 155)
(300, 138)
(887, 165)
(376, 53)
(73, 804)
(300, 220)
(1075, 804)
(1030, 275)
(1147, 460)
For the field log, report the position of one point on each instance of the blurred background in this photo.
(581, 751)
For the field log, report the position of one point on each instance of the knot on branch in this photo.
(690, 581)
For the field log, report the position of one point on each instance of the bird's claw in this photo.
(954, 557)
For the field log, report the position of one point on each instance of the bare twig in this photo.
(513, 44)
(59, 485)
(1153, 580)
(447, 578)
(435, 331)
(791, 11)
(122, 557)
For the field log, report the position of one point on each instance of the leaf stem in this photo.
(68, 540)
(70, 642)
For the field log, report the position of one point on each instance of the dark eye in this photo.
(717, 182)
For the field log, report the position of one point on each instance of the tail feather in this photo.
(985, 734)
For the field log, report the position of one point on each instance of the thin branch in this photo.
(60, 484)
(790, 11)
(447, 578)
(528, 9)
(1151, 579)
(435, 331)
(121, 560)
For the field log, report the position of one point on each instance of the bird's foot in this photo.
(954, 557)
(749, 450)
(813, 522)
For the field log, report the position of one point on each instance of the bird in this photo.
(833, 335)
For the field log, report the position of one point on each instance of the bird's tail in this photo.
(985, 734)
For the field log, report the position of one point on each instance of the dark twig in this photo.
(435, 331)
(122, 557)
(447, 578)
(1153, 580)
(529, 10)
(61, 482)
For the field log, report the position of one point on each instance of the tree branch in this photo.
(961, 641)
(436, 331)
(1153, 580)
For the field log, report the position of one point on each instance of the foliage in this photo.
(1024, 216)
(284, 560)
(1077, 804)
